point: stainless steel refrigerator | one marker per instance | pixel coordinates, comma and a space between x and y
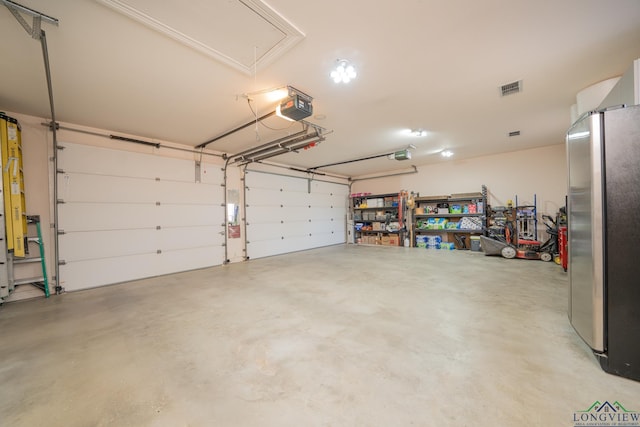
603, 208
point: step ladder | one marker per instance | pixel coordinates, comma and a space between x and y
40, 282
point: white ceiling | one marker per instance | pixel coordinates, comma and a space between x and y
435, 65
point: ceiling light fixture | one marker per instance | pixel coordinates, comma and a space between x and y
344, 72
418, 132
447, 153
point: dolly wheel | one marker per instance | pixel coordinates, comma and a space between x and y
508, 252
546, 256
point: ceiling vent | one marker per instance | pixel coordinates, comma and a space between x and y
514, 133
511, 88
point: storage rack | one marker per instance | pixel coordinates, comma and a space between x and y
470, 211
379, 219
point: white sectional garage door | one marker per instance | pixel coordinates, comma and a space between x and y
128, 215
288, 214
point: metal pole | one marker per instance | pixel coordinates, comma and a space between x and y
225, 223
204, 144
47, 69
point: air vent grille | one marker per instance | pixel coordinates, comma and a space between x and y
514, 133
511, 88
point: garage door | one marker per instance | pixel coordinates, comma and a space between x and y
125, 216
288, 214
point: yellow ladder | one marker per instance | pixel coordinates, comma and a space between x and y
13, 185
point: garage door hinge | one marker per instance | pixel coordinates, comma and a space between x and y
62, 262
61, 202
157, 178
221, 233
60, 171
157, 203
60, 232
158, 227
159, 251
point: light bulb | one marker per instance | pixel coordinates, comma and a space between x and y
344, 72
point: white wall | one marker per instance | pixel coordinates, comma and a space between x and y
540, 171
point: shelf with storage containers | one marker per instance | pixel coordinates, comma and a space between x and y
379, 219
449, 222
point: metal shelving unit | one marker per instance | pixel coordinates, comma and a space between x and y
373, 216
472, 207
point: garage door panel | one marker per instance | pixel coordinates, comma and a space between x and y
99, 272
303, 213
134, 215
192, 215
265, 197
260, 249
296, 228
106, 161
189, 237
102, 216
296, 199
298, 213
211, 174
189, 259
265, 231
327, 212
326, 239
92, 188
185, 192
100, 244
321, 226
259, 214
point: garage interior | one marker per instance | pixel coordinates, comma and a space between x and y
205, 252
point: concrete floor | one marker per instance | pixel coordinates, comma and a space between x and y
338, 336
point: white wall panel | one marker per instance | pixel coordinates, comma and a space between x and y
283, 216
128, 215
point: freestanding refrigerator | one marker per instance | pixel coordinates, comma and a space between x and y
603, 208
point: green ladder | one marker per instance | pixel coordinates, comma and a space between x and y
39, 282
